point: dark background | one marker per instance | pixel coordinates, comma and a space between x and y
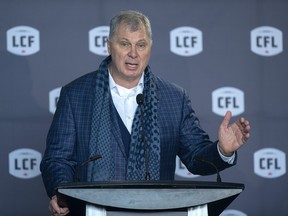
226, 60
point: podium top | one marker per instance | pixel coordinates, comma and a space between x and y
154, 195
152, 184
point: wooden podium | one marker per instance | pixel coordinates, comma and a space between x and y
197, 198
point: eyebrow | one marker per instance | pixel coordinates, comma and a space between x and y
141, 40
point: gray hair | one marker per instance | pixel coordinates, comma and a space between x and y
133, 19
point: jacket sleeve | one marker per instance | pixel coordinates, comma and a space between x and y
195, 143
58, 163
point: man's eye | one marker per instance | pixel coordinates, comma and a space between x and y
124, 44
141, 46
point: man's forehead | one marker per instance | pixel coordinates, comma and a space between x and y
131, 27
126, 32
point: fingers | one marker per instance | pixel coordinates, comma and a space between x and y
245, 124
226, 119
55, 209
241, 125
244, 127
54, 205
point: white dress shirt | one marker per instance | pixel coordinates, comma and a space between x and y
125, 100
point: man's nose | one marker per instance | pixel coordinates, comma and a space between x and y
133, 52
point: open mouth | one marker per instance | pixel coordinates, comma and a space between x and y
131, 65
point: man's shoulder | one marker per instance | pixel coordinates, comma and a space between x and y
167, 85
82, 83
80, 87
83, 80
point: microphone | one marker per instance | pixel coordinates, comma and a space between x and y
91, 159
140, 101
212, 164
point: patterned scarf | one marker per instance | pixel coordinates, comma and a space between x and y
144, 152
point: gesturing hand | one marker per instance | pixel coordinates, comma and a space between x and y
232, 137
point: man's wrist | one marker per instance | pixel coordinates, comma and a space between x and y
229, 159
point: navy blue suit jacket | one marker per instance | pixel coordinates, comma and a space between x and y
69, 135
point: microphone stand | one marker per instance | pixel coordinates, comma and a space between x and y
93, 158
210, 163
140, 101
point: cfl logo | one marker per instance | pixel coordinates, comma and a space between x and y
182, 171
23, 40
24, 163
266, 41
186, 41
98, 38
53, 99
227, 99
269, 163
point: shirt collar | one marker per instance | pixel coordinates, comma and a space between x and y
114, 87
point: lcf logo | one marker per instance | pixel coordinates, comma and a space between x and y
23, 40
24, 163
269, 163
266, 41
228, 99
98, 40
186, 41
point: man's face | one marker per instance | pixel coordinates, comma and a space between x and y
130, 52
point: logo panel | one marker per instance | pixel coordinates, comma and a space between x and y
266, 41
98, 40
186, 41
24, 163
23, 40
53, 99
228, 99
182, 171
231, 212
269, 163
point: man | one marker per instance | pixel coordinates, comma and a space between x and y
98, 114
